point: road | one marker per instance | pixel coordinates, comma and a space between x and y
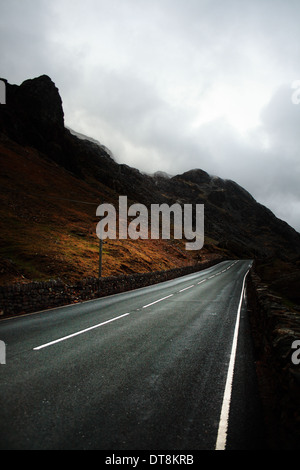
149, 369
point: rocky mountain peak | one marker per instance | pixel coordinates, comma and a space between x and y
33, 114
42, 99
196, 176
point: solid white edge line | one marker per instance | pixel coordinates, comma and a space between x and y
79, 332
224, 417
160, 300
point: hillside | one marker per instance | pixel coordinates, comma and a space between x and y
52, 182
47, 232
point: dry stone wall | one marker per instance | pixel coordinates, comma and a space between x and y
275, 328
36, 296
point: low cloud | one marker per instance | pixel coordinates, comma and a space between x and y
172, 85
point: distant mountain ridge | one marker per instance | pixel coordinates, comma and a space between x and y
235, 224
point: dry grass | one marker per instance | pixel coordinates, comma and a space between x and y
43, 234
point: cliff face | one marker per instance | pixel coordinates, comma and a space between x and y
33, 113
33, 119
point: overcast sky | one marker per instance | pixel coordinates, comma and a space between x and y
173, 85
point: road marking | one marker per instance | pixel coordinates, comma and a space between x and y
224, 417
160, 300
79, 332
113, 319
182, 290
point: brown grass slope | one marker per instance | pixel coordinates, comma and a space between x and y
48, 225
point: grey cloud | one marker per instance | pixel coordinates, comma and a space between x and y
135, 76
23, 39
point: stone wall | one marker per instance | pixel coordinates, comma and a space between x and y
27, 298
275, 327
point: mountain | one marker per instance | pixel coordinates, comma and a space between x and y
53, 179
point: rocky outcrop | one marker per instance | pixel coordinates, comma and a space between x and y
33, 114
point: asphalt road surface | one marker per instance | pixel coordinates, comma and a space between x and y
167, 367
